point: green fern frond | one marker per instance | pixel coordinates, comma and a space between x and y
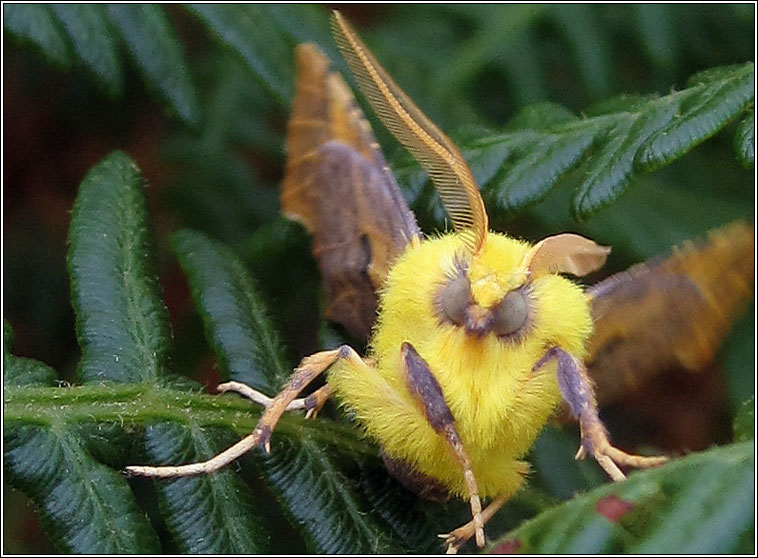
618, 141
699, 503
91, 34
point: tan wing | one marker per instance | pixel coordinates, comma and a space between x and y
338, 185
669, 313
439, 156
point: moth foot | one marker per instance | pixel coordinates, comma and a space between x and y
610, 458
246, 391
312, 403
316, 401
457, 538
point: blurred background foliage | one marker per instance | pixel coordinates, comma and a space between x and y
199, 97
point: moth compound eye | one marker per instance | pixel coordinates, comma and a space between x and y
510, 315
453, 299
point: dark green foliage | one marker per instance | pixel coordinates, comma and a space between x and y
35, 23
744, 140
86, 506
264, 36
245, 30
88, 28
147, 34
558, 109
700, 504
319, 499
122, 324
93, 32
621, 139
712, 101
744, 423
23, 371
123, 331
553, 456
233, 313
206, 514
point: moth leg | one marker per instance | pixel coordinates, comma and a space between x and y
312, 404
310, 368
576, 388
455, 539
316, 400
426, 390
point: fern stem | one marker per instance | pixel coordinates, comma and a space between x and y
143, 404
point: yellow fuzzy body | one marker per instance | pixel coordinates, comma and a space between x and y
498, 402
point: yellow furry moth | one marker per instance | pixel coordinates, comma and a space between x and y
474, 337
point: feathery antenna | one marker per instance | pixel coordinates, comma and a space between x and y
436, 153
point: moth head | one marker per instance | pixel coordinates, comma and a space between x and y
491, 292
457, 305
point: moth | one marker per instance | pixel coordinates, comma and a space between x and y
474, 337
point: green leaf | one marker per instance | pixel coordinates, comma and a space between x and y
590, 47
35, 23
415, 521
610, 170
626, 102
556, 469
705, 109
702, 503
85, 506
744, 422
738, 355
121, 322
110, 236
27, 372
321, 501
235, 319
541, 115
215, 513
744, 141
23, 371
621, 138
305, 467
535, 168
152, 42
95, 35
93, 42
182, 426
247, 30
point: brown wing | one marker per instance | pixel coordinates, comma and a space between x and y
338, 185
669, 313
